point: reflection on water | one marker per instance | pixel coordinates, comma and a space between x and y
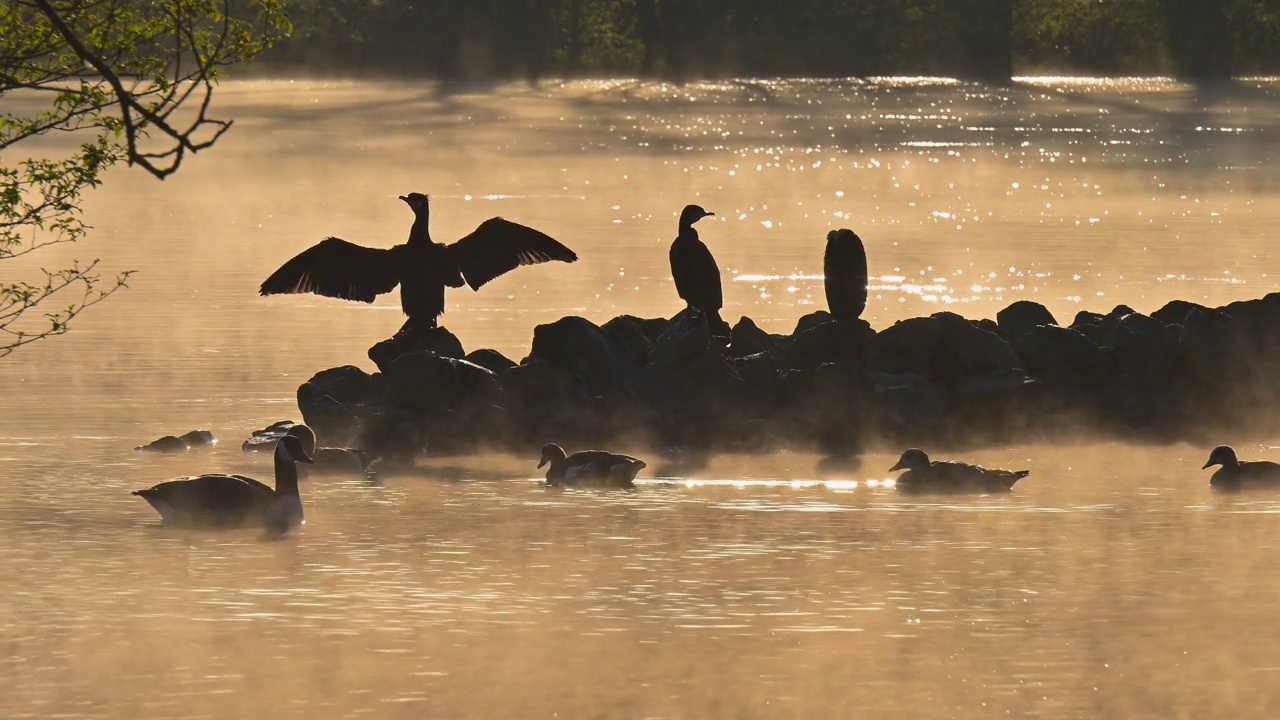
1111, 583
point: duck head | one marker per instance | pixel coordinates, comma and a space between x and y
692, 214
417, 202
1222, 455
290, 448
551, 453
912, 459
306, 436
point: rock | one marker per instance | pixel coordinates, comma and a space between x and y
628, 337
1062, 357
394, 436
813, 347
824, 408
748, 339
907, 347
844, 269
812, 320
584, 349
166, 444
425, 382
347, 385
198, 438
491, 360
759, 373
1175, 312
537, 387
686, 338
437, 340
972, 359
909, 405
1021, 317
332, 422
651, 327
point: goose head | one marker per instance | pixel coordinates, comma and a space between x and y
1222, 455
290, 449
692, 214
306, 436
551, 453
912, 459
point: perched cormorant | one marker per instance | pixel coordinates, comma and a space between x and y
1236, 474
589, 467
695, 271
942, 476
421, 267
844, 266
233, 501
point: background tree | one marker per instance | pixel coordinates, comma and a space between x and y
135, 78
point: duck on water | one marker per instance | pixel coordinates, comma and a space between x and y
420, 266
216, 501
1237, 474
923, 475
597, 468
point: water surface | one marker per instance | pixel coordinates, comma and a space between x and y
1111, 583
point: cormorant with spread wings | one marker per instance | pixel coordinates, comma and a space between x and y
421, 267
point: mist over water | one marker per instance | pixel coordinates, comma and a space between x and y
1110, 583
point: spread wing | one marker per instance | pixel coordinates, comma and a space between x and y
337, 268
499, 246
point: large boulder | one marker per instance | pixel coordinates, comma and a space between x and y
628, 338
907, 346
425, 382
909, 406
491, 360
1061, 357
830, 342
436, 340
974, 360
749, 339
584, 349
1021, 318
537, 388
686, 338
348, 385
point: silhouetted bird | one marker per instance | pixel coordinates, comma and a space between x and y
844, 266
1236, 474
923, 475
421, 267
695, 271
589, 467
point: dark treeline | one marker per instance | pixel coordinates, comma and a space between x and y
677, 39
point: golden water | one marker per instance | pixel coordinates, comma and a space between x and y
1111, 583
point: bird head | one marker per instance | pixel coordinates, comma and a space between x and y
912, 459
306, 435
1222, 455
290, 448
692, 214
551, 452
417, 202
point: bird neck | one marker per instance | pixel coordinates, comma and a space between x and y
687, 232
286, 476
419, 232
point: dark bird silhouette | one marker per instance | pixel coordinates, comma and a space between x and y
695, 271
1236, 474
589, 467
233, 501
844, 266
421, 267
942, 476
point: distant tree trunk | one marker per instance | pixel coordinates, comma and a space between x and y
1199, 38
574, 60
986, 36
650, 25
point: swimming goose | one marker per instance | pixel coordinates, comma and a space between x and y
924, 476
233, 501
331, 460
1236, 474
589, 467
694, 269
421, 267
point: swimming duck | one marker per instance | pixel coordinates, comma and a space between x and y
233, 501
331, 460
179, 443
922, 475
695, 272
1236, 474
420, 266
589, 467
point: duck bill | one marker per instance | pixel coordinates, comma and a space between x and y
899, 466
305, 458
1208, 465
542, 462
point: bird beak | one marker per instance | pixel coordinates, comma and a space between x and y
305, 458
404, 198
899, 466
1208, 465
708, 214
542, 462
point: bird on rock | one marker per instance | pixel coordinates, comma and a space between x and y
420, 266
695, 271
